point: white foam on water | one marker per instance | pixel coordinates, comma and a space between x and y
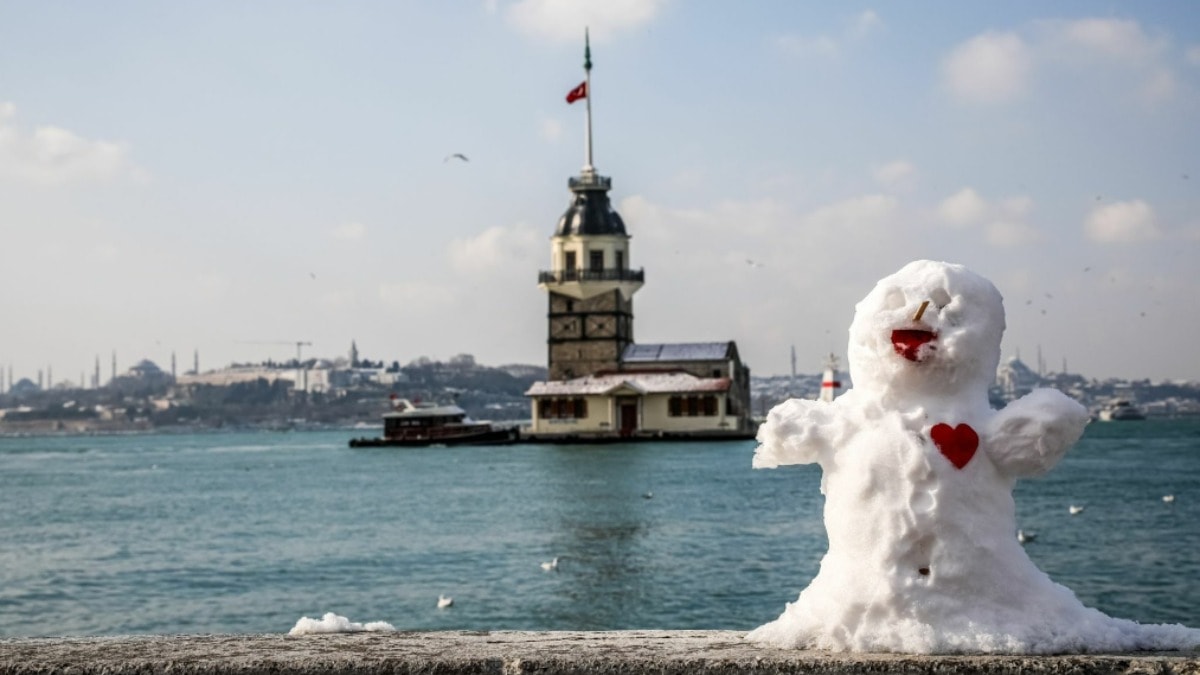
333, 623
918, 472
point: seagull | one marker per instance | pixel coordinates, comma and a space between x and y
457, 155
648, 495
444, 601
551, 566
1168, 498
1073, 509
753, 263
1025, 537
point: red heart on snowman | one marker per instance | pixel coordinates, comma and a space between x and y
958, 443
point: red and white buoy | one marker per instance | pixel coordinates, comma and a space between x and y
829, 381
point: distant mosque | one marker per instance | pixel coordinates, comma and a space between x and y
601, 384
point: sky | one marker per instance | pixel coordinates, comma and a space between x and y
231, 178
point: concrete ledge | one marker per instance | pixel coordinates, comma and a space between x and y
511, 653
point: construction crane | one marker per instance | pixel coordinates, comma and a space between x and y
300, 344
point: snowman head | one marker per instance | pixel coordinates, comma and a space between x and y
932, 328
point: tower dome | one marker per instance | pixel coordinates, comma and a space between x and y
590, 212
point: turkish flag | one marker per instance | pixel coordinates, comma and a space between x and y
578, 92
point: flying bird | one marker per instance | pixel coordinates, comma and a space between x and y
551, 566
1168, 498
1025, 537
457, 155
1073, 509
444, 601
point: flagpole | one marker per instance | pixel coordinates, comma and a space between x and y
587, 70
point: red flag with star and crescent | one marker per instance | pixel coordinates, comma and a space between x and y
578, 92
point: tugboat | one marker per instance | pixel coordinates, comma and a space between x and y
411, 425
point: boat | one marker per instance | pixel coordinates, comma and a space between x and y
1120, 410
417, 424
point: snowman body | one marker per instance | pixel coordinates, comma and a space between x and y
918, 472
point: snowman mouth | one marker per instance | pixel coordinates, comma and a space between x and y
908, 342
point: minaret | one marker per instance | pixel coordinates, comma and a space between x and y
353, 354
114, 367
96, 379
829, 380
590, 282
196, 361
792, 382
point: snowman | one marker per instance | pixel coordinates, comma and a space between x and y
918, 472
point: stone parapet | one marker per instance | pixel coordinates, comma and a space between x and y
513, 652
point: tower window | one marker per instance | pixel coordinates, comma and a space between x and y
620, 260
596, 260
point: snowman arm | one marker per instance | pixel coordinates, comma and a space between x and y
796, 432
1030, 435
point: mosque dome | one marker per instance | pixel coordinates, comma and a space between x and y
590, 213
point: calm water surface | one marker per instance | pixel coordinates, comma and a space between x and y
247, 532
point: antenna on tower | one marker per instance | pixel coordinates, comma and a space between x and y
587, 78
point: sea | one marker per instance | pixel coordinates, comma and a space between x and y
248, 532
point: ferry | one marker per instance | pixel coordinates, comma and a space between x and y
419, 424
1120, 410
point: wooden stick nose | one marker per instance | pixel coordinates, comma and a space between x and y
921, 312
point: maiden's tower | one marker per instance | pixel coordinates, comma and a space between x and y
601, 384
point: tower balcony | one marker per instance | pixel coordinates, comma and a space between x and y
565, 276
589, 181
583, 283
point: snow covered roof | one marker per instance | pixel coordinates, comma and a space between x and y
682, 351
635, 383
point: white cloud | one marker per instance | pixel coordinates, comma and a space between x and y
964, 207
1008, 233
55, 156
1116, 54
496, 248
896, 175
1005, 221
858, 213
1122, 222
988, 68
349, 231
866, 22
1115, 38
1017, 207
564, 20
830, 46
